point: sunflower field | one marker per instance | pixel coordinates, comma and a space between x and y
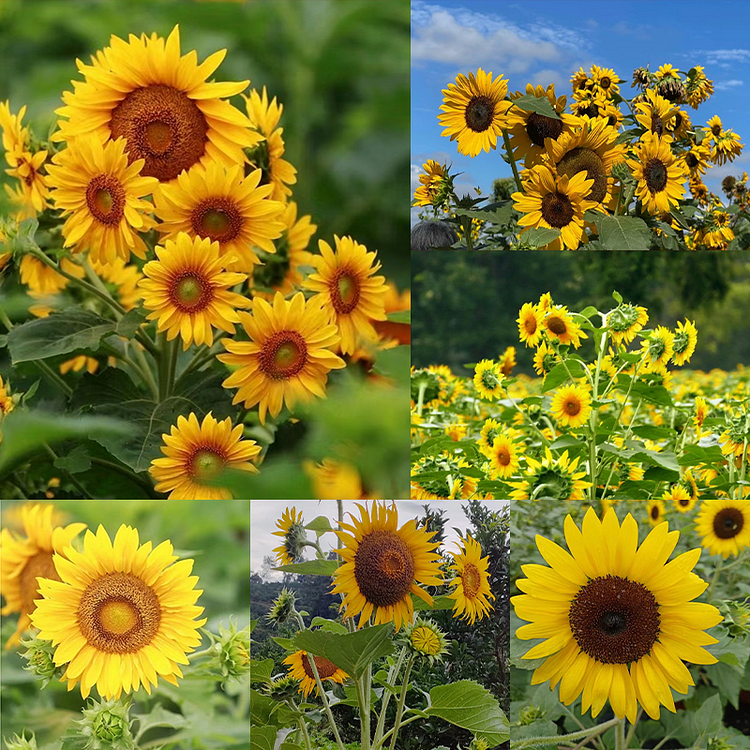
613, 173
125, 625
172, 329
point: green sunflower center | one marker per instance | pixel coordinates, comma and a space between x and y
655, 175
479, 114
217, 218
539, 127
344, 289
426, 641
118, 617
582, 159
105, 199
728, 523
614, 620
557, 210
384, 568
207, 464
283, 355
191, 293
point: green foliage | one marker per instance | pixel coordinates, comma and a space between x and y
623, 233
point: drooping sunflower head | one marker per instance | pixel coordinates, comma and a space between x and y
488, 379
724, 526
659, 173
698, 88
490, 430
658, 346
571, 405
301, 668
293, 534
159, 101
472, 583
625, 321
622, 620
696, 159
121, 614
436, 185
474, 111
25, 559
384, 565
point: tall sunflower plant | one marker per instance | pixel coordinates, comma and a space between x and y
387, 579
609, 174
163, 298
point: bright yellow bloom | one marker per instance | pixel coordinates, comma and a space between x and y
559, 325
472, 582
488, 380
292, 531
300, 669
659, 173
724, 526
530, 324
571, 405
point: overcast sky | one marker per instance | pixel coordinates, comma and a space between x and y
265, 513
545, 42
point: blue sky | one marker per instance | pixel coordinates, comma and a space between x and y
543, 42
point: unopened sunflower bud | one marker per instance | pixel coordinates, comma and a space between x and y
106, 726
282, 609
479, 743
20, 743
282, 689
39, 656
234, 653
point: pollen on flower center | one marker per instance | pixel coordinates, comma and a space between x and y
557, 209
479, 113
217, 218
40, 565
105, 199
471, 580
158, 136
585, 159
345, 291
283, 355
384, 568
191, 293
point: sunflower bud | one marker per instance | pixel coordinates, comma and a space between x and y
234, 650
39, 656
424, 638
530, 714
106, 726
282, 689
479, 743
20, 743
282, 609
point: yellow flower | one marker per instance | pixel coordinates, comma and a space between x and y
656, 511
545, 359
158, 100
186, 290
432, 182
488, 380
698, 87
347, 286
625, 321
654, 112
504, 456
79, 363
559, 325
726, 144
680, 498
121, 615
196, 452
288, 356
696, 159
552, 478
335, 480
571, 405
724, 526
507, 361
658, 346
474, 112
6, 402
659, 173
300, 669
454, 485
44, 281
530, 324
684, 342
292, 531
472, 594
103, 199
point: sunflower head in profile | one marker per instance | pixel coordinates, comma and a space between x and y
472, 593
436, 185
300, 668
293, 534
659, 173
684, 342
383, 565
474, 111
24, 559
160, 102
554, 477
658, 347
6, 400
724, 526
197, 452
696, 159
616, 619
625, 321
288, 356
571, 405
121, 615
545, 359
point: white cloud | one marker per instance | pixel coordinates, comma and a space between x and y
724, 85
725, 56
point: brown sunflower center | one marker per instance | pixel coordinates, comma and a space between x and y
40, 565
326, 668
384, 568
530, 324
716, 129
217, 218
540, 127
479, 114
283, 355
572, 407
614, 620
191, 292
207, 463
119, 613
163, 126
557, 210
657, 126
605, 82
728, 523
677, 120
105, 198
556, 325
471, 580
655, 512
684, 501
655, 174
503, 456
584, 159
344, 288
691, 161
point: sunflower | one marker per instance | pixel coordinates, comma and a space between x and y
616, 626
44, 281
551, 478
103, 199
545, 359
383, 565
186, 290
121, 615
698, 88
679, 125
571, 405
724, 526
472, 582
559, 325
425, 639
555, 202
654, 112
716, 234
507, 361
625, 321
24, 559
488, 380
335, 480
474, 112
656, 511
605, 81
701, 412
222, 205
597, 107
504, 456
529, 131
344, 281
144, 91
696, 159
658, 346
490, 430
659, 173
680, 498
433, 184
280, 272
196, 452
726, 144
288, 357
453, 484
592, 150
266, 156
301, 669
530, 324
6, 402
684, 342
293, 534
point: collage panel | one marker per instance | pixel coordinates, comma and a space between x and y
126, 624
380, 624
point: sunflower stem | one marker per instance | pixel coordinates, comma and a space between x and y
54, 377
509, 151
717, 572
306, 736
589, 733
326, 704
620, 735
402, 700
595, 410
392, 674
631, 731
70, 477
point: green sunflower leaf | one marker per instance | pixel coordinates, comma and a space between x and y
560, 373
623, 233
539, 236
539, 104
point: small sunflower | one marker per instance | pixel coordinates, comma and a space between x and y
293, 534
605, 81
696, 159
44, 281
103, 199
724, 526
559, 325
701, 412
474, 111
680, 498
616, 627
545, 359
625, 321
726, 144
24, 559
454, 484
301, 669
656, 511
488, 380
654, 113
144, 91
383, 566
345, 282
571, 405
196, 452
684, 342
659, 173
288, 356
490, 430
679, 124
658, 346
717, 233
472, 582
698, 88
530, 324
6, 402
551, 478
434, 184
425, 639
503, 454
121, 615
